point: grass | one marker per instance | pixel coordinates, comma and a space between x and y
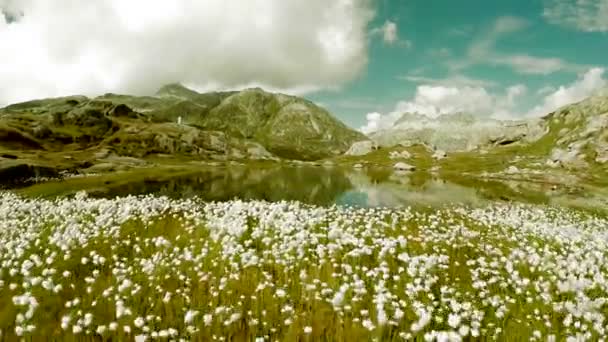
56, 188
271, 270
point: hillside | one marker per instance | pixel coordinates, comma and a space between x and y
456, 132
574, 135
78, 132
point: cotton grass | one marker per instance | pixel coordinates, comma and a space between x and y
148, 268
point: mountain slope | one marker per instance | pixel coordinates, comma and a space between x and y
577, 134
288, 126
456, 132
213, 125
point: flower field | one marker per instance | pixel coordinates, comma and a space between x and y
152, 268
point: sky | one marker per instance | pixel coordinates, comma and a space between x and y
367, 61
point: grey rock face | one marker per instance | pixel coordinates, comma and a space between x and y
361, 148
457, 132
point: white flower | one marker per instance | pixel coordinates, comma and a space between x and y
207, 318
139, 322
190, 315
141, 338
367, 324
307, 329
454, 320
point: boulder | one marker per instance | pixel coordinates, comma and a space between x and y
512, 170
399, 155
570, 157
439, 154
358, 166
401, 166
361, 148
257, 151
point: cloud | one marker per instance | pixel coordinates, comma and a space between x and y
389, 31
390, 34
437, 100
482, 50
456, 80
442, 52
583, 15
525, 64
584, 86
66, 46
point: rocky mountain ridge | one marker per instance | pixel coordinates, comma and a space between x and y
573, 135
178, 120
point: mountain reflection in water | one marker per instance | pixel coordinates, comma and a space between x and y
312, 185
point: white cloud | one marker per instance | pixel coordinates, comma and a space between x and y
586, 85
389, 31
390, 34
525, 64
437, 100
456, 80
583, 15
434, 100
65, 46
442, 52
482, 50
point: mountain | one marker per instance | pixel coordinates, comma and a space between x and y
456, 132
573, 136
577, 134
178, 120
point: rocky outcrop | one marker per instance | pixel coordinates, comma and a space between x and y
439, 154
287, 126
457, 132
246, 124
361, 148
401, 166
578, 133
399, 155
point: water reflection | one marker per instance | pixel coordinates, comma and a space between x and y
404, 189
313, 185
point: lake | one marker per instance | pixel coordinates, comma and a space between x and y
333, 185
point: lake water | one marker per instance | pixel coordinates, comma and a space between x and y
328, 186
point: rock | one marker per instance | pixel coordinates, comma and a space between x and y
41, 131
129, 161
399, 155
101, 168
358, 166
456, 131
401, 166
361, 148
435, 169
257, 151
570, 157
103, 153
511, 170
439, 154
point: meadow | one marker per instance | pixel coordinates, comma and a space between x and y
154, 268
